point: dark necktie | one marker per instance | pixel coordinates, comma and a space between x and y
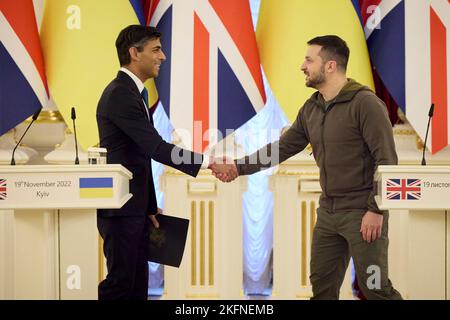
144, 95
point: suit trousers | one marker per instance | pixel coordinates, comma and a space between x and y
126, 249
336, 238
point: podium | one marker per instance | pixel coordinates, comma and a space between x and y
56, 249
422, 194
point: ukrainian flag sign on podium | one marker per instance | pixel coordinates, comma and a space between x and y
91, 188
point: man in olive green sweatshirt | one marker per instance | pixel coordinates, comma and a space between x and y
350, 133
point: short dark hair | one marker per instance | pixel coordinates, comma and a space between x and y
134, 35
333, 48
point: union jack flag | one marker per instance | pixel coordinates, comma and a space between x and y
409, 43
403, 189
3, 189
212, 78
22, 78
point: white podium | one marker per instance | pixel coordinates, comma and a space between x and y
56, 252
423, 194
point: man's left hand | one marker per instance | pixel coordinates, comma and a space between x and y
371, 226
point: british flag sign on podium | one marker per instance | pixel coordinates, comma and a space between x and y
3, 189
403, 189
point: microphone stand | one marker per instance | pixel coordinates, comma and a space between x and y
77, 161
430, 115
35, 116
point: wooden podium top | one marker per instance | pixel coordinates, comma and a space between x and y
64, 186
413, 169
66, 168
413, 187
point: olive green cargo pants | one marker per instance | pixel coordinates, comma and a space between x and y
336, 238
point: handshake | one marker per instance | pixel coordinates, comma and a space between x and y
223, 169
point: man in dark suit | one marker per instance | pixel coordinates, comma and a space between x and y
126, 130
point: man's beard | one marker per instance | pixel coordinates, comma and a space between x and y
314, 82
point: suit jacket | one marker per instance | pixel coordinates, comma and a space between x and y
131, 140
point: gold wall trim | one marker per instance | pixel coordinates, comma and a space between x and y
202, 296
296, 163
312, 218
404, 132
211, 243
202, 243
201, 186
101, 260
47, 116
303, 244
174, 172
296, 173
306, 295
193, 243
419, 143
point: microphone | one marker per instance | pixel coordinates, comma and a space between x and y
74, 116
35, 116
430, 115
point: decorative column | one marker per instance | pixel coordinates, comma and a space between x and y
212, 261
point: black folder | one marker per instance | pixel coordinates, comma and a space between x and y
168, 241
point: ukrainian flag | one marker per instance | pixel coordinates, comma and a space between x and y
78, 42
283, 29
92, 188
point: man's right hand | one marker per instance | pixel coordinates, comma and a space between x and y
224, 169
153, 218
371, 226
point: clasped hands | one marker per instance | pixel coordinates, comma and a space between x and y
223, 169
